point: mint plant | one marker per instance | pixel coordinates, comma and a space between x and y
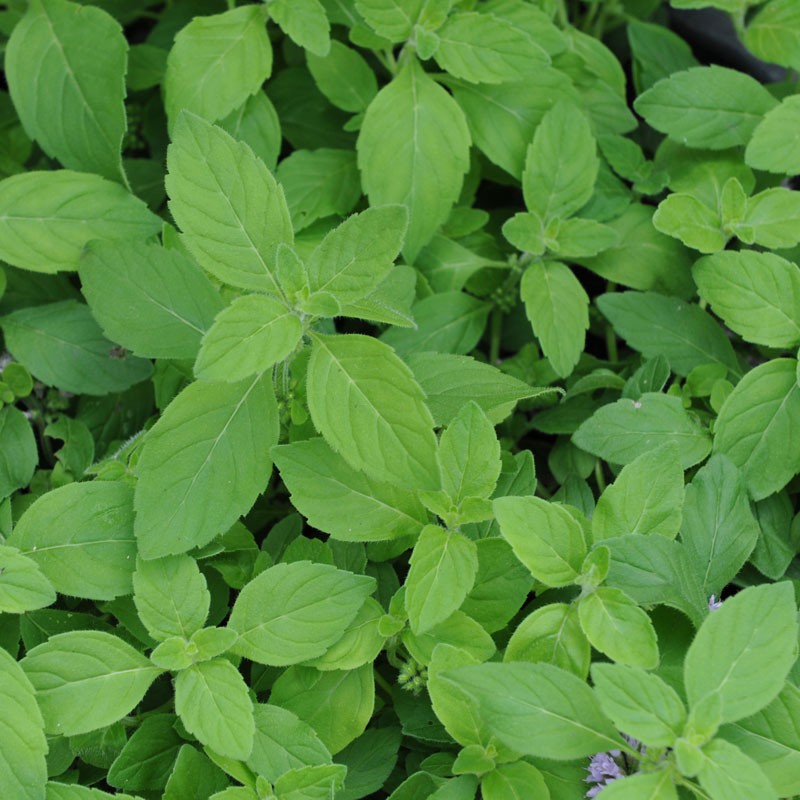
397, 400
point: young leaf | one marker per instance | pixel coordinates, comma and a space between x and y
217, 62
343, 502
416, 126
514, 781
646, 497
214, 704
756, 294
686, 218
770, 219
344, 77
757, 427
171, 596
18, 446
393, 19
558, 309
293, 612
85, 680
773, 34
773, 146
81, 537
248, 337
545, 537
210, 433
643, 786
23, 746
65, 65
155, 302
232, 212
305, 22
728, 773
365, 402
46, 218
23, 587
639, 703
744, 650
616, 626
319, 781
712, 107
483, 48
442, 571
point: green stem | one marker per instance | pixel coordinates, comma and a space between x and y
382, 682
611, 337
495, 335
599, 477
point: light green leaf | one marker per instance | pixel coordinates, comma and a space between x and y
756, 294
217, 62
416, 126
23, 746
193, 775
728, 773
744, 650
294, 612
72, 791
773, 34
459, 631
214, 704
247, 338
646, 497
536, 709
583, 238
23, 587
256, 124
46, 218
757, 427
232, 212
686, 218
18, 452
561, 164
65, 65
621, 431
655, 324
81, 537
771, 219
643, 786
711, 107
305, 22
86, 680
365, 402
171, 596
153, 301
344, 77
483, 48
558, 309
393, 19
203, 464
515, 781
442, 571
774, 144
343, 502
311, 783
357, 255
639, 703
545, 537
616, 626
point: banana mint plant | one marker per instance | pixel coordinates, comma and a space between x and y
398, 399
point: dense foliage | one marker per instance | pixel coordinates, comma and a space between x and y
399, 398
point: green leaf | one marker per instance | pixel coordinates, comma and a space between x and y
193, 775
686, 218
773, 146
344, 77
23, 587
416, 126
770, 219
22, 742
214, 704
256, 124
293, 612
365, 402
248, 337
305, 22
46, 218
657, 53
232, 212
208, 435
639, 703
616, 626
343, 502
62, 346
655, 324
744, 650
72, 791
311, 783
757, 427
726, 772
561, 164
711, 107
85, 680
393, 19
483, 48
514, 781
217, 62
18, 453
643, 786
545, 537
536, 709
171, 596
65, 65
621, 431
718, 531
646, 497
773, 34
153, 301
442, 571
357, 255
558, 309
583, 238
81, 537
756, 294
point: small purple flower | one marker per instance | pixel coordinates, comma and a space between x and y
605, 768
713, 603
